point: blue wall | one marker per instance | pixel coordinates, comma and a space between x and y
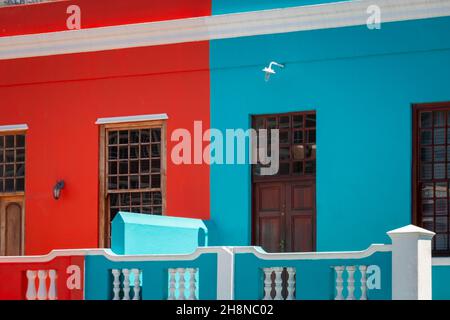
98, 282
441, 282
361, 83
315, 279
230, 6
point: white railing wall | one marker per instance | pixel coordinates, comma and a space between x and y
123, 289
37, 285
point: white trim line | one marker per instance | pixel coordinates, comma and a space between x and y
145, 117
257, 251
107, 253
260, 253
13, 127
310, 17
444, 261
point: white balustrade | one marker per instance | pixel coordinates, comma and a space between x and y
350, 282
284, 289
40, 291
291, 283
122, 277
178, 283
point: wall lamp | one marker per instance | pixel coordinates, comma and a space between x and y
57, 189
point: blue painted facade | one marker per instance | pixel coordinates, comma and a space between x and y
315, 279
227, 6
362, 84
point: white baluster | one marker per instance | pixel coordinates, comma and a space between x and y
267, 283
192, 283
42, 289
52, 294
351, 282
363, 270
181, 284
278, 283
172, 284
31, 288
137, 283
339, 282
126, 284
116, 283
291, 283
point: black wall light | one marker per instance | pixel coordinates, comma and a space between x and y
57, 189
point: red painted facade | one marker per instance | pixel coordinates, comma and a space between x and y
67, 269
60, 97
52, 16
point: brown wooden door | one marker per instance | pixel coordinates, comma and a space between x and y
269, 215
300, 216
11, 226
284, 216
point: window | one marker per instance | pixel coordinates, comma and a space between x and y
297, 134
431, 172
133, 170
12, 163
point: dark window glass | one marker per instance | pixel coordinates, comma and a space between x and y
12, 163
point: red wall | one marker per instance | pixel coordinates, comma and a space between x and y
60, 98
15, 282
52, 16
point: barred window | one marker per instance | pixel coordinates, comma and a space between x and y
12, 163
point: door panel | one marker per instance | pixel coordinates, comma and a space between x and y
11, 225
269, 215
284, 216
300, 212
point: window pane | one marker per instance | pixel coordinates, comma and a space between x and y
284, 168
297, 167
20, 141
439, 153
439, 118
425, 120
123, 137
441, 207
310, 121
426, 171
439, 136
9, 141
134, 136
297, 121
439, 170
284, 122
441, 242
112, 137
145, 136
425, 137
425, 154
427, 208
298, 137
427, 190
156, 135
310, 167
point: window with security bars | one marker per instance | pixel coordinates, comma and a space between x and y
297, 139
12, 163
432, 152
133, 170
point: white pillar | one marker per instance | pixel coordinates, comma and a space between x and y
411, 263
267, 283
225, 274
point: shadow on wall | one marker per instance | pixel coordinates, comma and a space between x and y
149, 234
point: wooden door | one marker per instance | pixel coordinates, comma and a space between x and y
284, 216
284, 204
11, 226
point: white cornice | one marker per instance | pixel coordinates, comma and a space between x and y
13, 127
311, 17
145, 117
261, 254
